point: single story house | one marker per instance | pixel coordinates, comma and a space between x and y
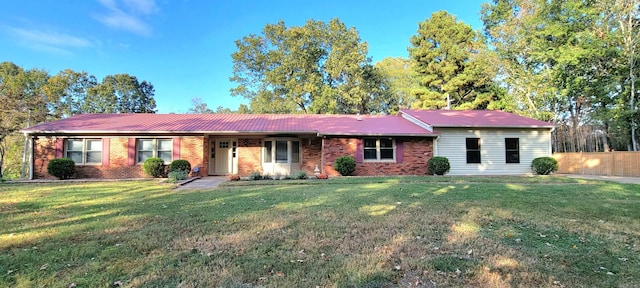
115, 145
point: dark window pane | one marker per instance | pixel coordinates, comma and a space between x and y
370, 154
512, 143
76, 156
165, 155
513, 157
386, 143
386, 154
370, 143
94, 157
267, 152
473, 143
144, 155
473, 157
295, 152
281, 151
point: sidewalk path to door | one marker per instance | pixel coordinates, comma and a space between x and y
204, 183
619, 179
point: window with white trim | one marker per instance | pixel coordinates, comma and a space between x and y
473, 150
512, 150
159, 148
281, 150
84, 151
379, 149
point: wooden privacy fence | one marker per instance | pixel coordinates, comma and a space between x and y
618, 163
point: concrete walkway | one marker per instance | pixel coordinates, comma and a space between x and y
204, 183
619, 179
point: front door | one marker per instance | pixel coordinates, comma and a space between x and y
223, 156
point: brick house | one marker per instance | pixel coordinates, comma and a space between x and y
115, 145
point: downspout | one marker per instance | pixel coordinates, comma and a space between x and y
31, 164
24, 155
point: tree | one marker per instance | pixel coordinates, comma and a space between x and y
199, 107
449, 59
22, 100
70, 89
316, 68
120, 93
402, 79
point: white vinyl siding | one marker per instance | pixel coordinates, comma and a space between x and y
533, 143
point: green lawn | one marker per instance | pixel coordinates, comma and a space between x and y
347, 232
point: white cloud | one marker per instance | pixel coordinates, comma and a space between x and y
126, 15
50, 41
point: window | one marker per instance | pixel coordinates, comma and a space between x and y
84, 151
473, 150
281, 150
382, 149
512, 150
268, 152
160, 148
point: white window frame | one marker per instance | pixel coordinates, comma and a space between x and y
155, 149
378, 153
290, 153
84, 150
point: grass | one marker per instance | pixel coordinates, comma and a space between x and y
346, 232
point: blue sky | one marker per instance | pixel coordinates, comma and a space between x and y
183, 47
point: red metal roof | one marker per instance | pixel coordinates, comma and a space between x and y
475, 118
232, 123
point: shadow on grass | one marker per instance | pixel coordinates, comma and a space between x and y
358, 233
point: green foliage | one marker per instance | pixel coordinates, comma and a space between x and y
451, 60
345, 165
120, 93
61, 168
177, 175
153, 167
300, 175
438, 165
255, 175
180, 164
316, 68
544, 165
401, 78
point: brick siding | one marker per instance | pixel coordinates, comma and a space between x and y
191, 149
416, 153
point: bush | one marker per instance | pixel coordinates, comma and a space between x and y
345, 165
300, 175
255, 175
438, 165
177, 175
544, 165
153, 167
61, 168
180, 164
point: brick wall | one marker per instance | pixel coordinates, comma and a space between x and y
249, 156
311, 154
191, 149
416, 153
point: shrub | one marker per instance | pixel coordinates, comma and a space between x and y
153, 167
438, 165
345, 165
255, 175
177, 175
180, 164
300, 175
61, 168
544, 165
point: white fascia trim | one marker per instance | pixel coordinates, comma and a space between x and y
415, 120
